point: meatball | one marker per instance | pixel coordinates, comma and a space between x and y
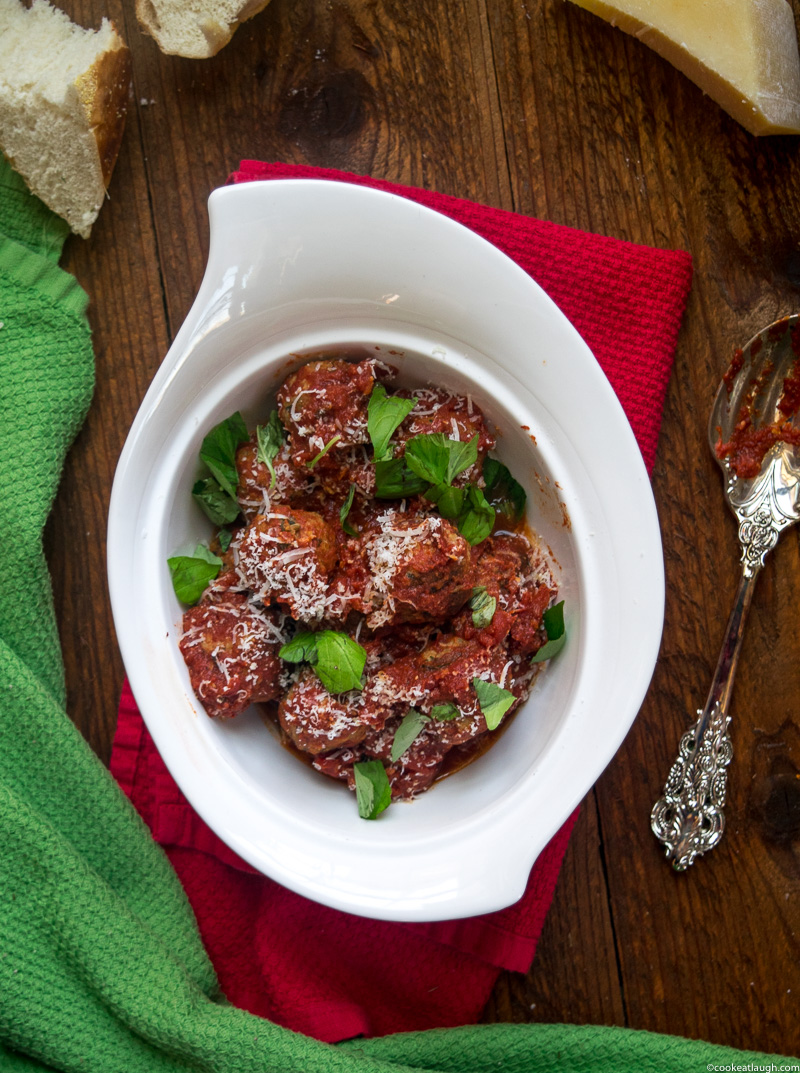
523, 591
338, 763
287, 556
419, 765
420, 569
338, 469
315, 720
409, 775
231, 651
256, 491
326, 401
441, 673
455, 416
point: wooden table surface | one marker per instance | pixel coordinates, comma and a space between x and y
539, 107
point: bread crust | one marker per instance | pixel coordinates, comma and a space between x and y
104, 91
215, 33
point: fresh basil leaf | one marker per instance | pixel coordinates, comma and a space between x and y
324, 451
270, 440
407, 732
493, 700
445, 712
301, 649
463, 454
438, 459
384, 414
224, 536
218, 450
449, 500
373, 792
337, 659
394, 480
476, 520
202, 551
427, 456
191, 574
483, 607
220, 507
340, 661
553, 619
502, 491
344, 510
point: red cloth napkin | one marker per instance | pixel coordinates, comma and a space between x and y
326, 973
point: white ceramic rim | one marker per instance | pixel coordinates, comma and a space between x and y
461, 865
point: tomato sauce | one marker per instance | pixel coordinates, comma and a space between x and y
432, 599
750, 442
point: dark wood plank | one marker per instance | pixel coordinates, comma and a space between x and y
376, 89
118, 267
575, 975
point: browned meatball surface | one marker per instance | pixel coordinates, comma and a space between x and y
257, 491
287, 556
522, 589
231, 651
420, 568
316, 721
324, 403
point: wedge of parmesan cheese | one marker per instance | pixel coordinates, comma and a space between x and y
742, 53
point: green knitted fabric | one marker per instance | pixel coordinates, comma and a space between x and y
101, 965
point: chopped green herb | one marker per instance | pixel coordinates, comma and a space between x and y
553, 619
502, 491
437, 459
462, 456
192, 573
344, 510
270, 440
324, 451
220, 507
337, 659
301, 649
483, 607
394, 480
218, 450
373, 792
384, 415
224, 536
445, 711
340, 661
407, 732
476, 519
449, 500
493, 700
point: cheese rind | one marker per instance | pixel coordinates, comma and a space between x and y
742, 53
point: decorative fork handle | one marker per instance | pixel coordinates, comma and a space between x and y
688, 819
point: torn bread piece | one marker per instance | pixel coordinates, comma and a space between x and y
742, 53
63, 100
195, 29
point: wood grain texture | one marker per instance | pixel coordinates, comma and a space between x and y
537, 106
576, 972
